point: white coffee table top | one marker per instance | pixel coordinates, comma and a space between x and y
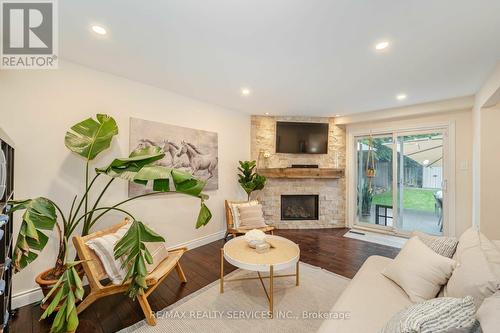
283, 254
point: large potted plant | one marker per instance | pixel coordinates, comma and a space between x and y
61, 283
249, 179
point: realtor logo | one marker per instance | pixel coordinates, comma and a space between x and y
29, 34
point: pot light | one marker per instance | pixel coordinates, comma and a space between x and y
401, 97
425, 162
99, 30
338, 115
245, 91
267, 113
381, 46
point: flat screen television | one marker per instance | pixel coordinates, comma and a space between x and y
301, 138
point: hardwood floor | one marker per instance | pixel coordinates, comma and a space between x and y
325, 248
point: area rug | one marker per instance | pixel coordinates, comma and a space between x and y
243, 307
377, 238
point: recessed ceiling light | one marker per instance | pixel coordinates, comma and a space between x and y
245, 91
338, 115
381, 45
267, 113
425, 162
401, 97
99, 30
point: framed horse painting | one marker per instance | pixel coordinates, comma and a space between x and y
187, 149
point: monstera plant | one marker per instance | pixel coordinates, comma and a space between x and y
249, 179
62, 284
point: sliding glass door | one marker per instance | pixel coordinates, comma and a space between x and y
401, 181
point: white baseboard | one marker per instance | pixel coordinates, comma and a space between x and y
35, 295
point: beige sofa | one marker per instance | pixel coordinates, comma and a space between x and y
371, 299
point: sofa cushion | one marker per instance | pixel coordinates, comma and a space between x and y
419, 271
488, 313
442, 245
370, 300
435, 315
478, 272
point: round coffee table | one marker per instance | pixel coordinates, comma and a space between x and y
283, 254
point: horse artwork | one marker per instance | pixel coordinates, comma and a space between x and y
187, 149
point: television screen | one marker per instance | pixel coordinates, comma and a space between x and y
301, 138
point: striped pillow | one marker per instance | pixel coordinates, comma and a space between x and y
444, 246
443, 314
251, 217
103, 248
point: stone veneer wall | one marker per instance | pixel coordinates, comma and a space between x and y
332, 195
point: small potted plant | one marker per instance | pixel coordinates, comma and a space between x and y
250, 180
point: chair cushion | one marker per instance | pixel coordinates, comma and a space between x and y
435, 315
251, 217
103, 248
419, 271
235, 212
442, 245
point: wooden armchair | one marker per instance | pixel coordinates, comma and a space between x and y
95, 273
231, 230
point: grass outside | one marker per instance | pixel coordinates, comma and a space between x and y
414, 198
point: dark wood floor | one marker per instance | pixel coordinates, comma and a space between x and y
325, 248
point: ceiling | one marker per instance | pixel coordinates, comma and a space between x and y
298, 57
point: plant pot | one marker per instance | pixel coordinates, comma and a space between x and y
46, 285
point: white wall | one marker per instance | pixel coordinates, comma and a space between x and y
486, 97
37, 107
490, 172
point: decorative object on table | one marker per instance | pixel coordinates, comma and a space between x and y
262, 247
249, 179
232, 218
62, 283
95, 270
186, 149
255, 237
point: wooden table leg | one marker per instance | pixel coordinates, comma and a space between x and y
271, 290
221, 271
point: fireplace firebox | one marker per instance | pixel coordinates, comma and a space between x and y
299, 207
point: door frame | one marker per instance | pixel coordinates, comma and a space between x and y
449, 208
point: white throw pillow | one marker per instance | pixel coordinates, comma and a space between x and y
235, 212
103, 248
419, 271
478, 272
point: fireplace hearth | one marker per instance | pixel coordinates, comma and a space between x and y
300, 207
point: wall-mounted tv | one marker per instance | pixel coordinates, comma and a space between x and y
301, 138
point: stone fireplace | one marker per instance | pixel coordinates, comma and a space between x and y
299, 207
323, 191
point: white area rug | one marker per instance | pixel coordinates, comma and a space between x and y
243, 306
374, 237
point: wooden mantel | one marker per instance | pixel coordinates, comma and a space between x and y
322, 173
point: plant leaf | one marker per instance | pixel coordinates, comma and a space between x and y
39, 214
90, 137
